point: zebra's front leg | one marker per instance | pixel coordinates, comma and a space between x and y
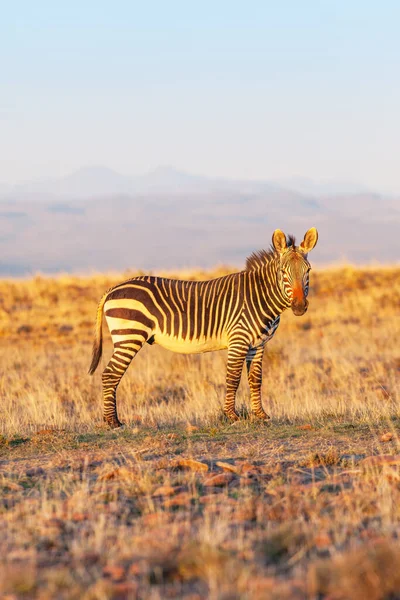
236, 354
254, 360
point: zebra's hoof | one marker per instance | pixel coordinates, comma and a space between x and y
114, 423
232, 415
262, 416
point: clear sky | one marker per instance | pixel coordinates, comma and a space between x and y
248, 89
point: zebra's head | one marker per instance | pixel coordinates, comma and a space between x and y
293, 269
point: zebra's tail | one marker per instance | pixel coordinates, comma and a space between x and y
98, 339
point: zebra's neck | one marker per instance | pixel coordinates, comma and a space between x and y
264, 290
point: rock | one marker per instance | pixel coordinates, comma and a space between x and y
380, 461
166, 490
249, 470
11, 485
245, 467
322, 540
219, 480
247, 481
122, 591
78, 517
34, 472
54, 523
122, 473
263, 586
210, 498
181, 500
244, 513
138, 568
155, 518
227, 467
387, 437
189, 463
24, 329
114, 572
191, 428
90, 558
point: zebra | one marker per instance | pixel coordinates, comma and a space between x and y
239, 312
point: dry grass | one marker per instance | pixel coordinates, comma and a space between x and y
285, 511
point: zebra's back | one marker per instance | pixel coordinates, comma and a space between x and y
182, 316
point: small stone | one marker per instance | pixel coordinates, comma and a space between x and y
246, 481
54, 523
227, 467
114, 572
220, 480
122, 591
322, 540
245, 513
244, 467
77, 517
165, 490
34, 472
122, 473
24, 329
380, 460
181, 500
191, 428
46, 431
210, 498
249, 470
193, 465
137, 568
155, 518
11, 485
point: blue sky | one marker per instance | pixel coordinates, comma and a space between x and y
238, 89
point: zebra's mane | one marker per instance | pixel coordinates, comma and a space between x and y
290, 241
258, 260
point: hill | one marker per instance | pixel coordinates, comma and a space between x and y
96, 219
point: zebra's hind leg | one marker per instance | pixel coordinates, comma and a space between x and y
112, 375
254, 374
236, 354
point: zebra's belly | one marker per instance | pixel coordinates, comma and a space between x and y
187, 346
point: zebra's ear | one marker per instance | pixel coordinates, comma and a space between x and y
310, 240
279, 241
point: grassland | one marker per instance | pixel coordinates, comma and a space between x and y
181, 503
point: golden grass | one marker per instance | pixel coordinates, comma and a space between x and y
288, 510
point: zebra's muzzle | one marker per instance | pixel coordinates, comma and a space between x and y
299, 307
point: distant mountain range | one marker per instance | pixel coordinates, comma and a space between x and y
97, 219
97, 181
